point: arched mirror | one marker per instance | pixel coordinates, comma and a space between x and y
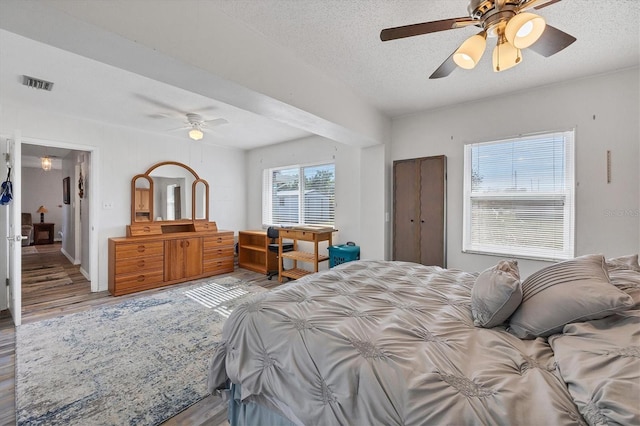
200, 199
141, 204
175, 194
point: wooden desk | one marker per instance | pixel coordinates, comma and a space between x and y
43, 233
254, 254
302, 234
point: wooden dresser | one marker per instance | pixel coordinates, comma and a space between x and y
158, 255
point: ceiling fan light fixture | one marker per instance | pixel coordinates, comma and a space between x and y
469, 53
196, 134
505, 56
524, 29
45, 162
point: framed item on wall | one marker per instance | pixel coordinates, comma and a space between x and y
66, 190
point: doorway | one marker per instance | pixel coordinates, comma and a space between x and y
71, 206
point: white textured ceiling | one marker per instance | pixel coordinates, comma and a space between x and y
340, 38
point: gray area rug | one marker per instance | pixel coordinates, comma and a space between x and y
138, 362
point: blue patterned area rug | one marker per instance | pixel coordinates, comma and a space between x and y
138, 362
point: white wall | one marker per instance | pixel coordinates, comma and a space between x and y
605, 111
314, 149
373, 215
124, 153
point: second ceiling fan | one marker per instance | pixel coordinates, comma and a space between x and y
506, 20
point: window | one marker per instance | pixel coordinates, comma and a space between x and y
519, 197
289, 200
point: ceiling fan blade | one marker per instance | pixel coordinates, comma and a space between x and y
423, 28
552, 41
179, 128
445, 68
158, 103
536, 4
215, 122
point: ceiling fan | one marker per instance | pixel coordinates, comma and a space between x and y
197, 125
194, 122
506, 20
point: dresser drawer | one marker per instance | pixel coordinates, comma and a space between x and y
140, 264
218, 266
138, 280
126, 251
218, 241
217, 253
138, 230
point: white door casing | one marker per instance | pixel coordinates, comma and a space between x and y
13, 228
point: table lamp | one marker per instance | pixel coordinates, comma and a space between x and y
42, 210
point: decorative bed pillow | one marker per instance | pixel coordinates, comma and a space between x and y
496, 294
628, 281
629, 262
566, 292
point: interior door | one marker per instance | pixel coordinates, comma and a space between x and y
14, 230
433, 211
406, 193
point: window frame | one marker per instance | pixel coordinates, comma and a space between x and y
567, 197
267, 194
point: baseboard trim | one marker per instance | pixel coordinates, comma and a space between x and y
68, 256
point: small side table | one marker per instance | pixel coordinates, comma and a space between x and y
43, 233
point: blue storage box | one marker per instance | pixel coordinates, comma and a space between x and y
342, 254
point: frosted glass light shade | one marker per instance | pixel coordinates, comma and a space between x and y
469, 53
196, 134
45, 162
524, 29
505, 56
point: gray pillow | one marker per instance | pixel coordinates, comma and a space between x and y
495, 294
566, 292
628, 281
629, 262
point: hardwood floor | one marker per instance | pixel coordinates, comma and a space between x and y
45, 299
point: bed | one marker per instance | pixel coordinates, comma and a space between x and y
397, 343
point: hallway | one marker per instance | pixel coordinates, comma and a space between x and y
51, 285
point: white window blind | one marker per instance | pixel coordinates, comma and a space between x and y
519, 197
299, 195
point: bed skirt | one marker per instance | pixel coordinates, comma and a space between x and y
251, 413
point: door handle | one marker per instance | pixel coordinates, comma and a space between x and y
17, 238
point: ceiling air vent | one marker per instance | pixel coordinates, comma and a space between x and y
36, 83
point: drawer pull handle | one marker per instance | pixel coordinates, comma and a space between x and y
141, 249
146, 229
141, 264
140, 278
219, 240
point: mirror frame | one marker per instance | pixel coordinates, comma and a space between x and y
133, 198
147, 175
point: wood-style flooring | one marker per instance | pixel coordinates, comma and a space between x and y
47, 301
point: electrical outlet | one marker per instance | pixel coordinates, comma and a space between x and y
107, 206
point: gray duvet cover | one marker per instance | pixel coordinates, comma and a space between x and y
387, 343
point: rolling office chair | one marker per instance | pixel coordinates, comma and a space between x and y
273, 234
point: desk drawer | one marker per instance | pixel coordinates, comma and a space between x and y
127, 251
296, 234
140, 264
